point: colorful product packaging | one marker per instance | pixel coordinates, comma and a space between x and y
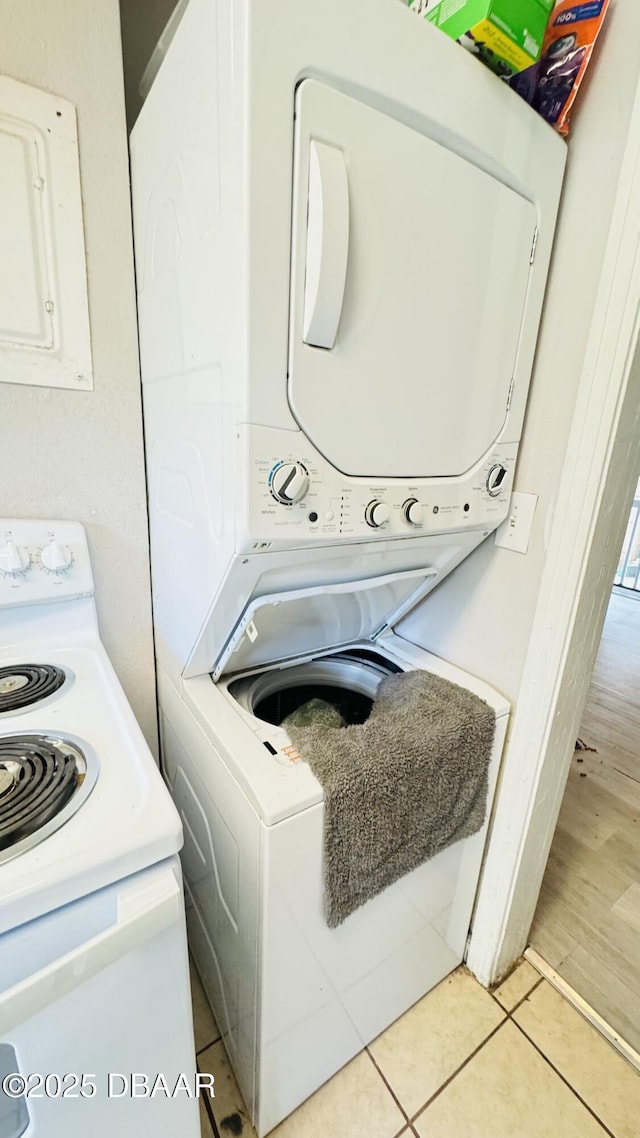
551, 85
507, 35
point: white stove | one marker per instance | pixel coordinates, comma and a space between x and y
91, 909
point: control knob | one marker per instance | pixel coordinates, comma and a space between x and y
412, 511
377, 513
14, 562
56, 559
495, 479
289, 482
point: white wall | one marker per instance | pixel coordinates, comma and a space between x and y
481, 616
79, 454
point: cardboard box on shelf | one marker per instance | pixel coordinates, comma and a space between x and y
551, 84
507, 35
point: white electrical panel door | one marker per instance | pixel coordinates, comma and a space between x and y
44, 320
410, 268
24, 285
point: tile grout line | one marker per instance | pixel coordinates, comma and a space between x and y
206, 1046
520, 1001
507, 1016
457, 1071
493, 995
388, 1086
537, 984
564, 1080
209, 1111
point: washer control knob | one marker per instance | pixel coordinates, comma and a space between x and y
14, 562
56, 559
495, 479
289, 482
377, 513
412, 511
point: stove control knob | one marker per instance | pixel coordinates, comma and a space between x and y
495, 479
412, 511
56, 559
377, 513
14, 562
289, 482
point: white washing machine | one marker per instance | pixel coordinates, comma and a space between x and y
343, 226
296, 1000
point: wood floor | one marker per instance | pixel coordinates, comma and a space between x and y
587, 925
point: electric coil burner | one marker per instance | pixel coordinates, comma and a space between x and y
43, 781
22, 685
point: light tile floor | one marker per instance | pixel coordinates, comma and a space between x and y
519, 1062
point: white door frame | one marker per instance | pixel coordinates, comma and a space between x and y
598, 477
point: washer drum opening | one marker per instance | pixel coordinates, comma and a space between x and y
348, 681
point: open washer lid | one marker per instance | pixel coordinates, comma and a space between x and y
285, 626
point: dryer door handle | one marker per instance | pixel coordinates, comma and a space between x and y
327, 244
145, 909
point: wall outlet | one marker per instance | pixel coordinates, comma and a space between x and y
515, 531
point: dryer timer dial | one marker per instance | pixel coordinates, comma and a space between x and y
495, 479
289, 482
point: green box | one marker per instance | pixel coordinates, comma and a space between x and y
506, 34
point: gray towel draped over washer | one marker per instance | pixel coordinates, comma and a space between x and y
400, 787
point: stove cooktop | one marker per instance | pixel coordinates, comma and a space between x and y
44, 779
106, 813
22, 685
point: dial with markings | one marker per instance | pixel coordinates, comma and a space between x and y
377, 513
14, 561
412, 511
56, 558
495, 479
289, 482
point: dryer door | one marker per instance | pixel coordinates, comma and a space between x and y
410, 268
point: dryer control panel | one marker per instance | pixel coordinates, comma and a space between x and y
296, 497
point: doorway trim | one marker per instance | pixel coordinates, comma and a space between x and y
596, 487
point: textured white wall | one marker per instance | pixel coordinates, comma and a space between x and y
79, 454
481, 617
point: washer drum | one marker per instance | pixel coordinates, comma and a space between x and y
348, 681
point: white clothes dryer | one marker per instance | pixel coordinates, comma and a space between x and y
343, 226
295, 999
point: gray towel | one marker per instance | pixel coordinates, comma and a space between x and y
399, 788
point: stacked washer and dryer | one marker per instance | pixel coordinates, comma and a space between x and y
343, 227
